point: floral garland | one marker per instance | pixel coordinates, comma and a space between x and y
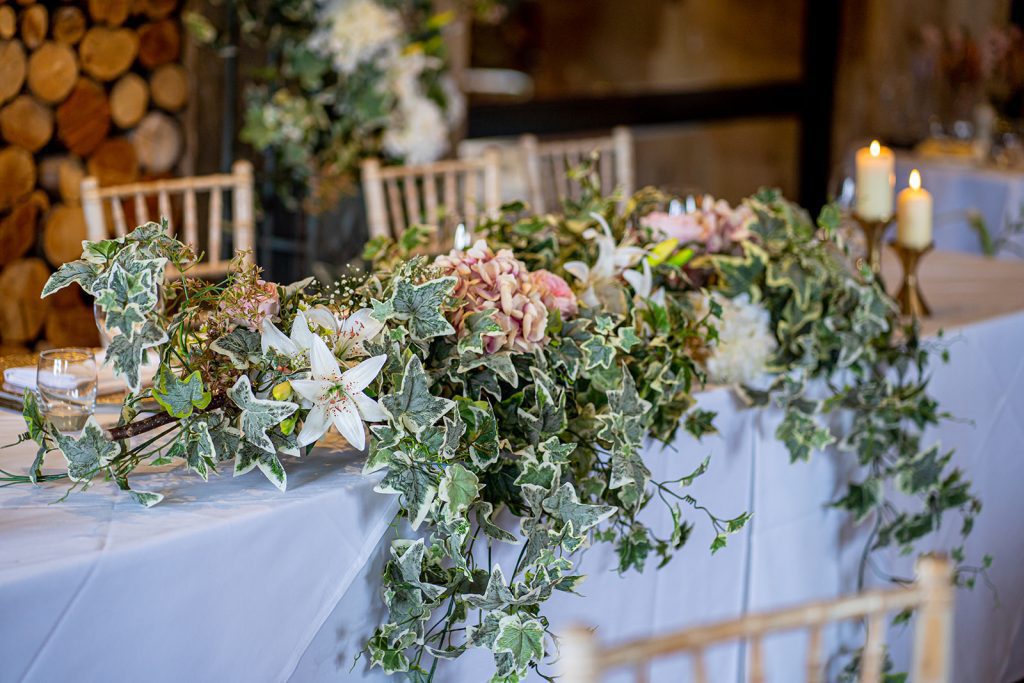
521, 375
347, 80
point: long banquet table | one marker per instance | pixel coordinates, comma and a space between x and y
232, 581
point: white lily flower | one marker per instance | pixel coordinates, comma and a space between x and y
354, 330
642, 284
296, 342
600, 281
338, 396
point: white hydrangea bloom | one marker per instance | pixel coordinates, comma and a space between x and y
356, 32
745, 341
418, 133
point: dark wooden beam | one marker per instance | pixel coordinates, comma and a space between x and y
576, 114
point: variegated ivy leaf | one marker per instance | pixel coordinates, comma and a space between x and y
624, 422
225, 439
85, 274
481, 432
241, 346
548, 415
417, 487
578, 517
179, 397
496, 596
410, 565
37, 432
258, 415
484, 634
741, 274
144, 498
128, 354
87, 454
477, 326
195, 446
385, 653
522, 640
498, 363
802, 434
598, 353
626, 338
250, 455
554, 451
459, 488
484, 512
629, 475
413, 406
420, 306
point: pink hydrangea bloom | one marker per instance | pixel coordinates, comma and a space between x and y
716, 224
555, 293
499, 282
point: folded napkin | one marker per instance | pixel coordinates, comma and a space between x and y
25, 377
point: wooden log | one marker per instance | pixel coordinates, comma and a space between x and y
68, 25
114, 162
52, 72
12, 69
169, 87
22, 312
63, 233
158, 142
18, 228
157, 9
8, 22
129, 100
18, 171
62, 174
68, 297
83, 120
26, 123
107, 53
110, 12
73, 326
35, 20
25, 2
159, 43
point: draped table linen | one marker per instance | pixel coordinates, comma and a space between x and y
233, 581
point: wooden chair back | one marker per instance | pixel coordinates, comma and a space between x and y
583, 660
214, 263
400, 196
547, 164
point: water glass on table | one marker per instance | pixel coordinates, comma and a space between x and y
66, 380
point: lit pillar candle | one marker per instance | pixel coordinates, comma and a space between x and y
875, 166
914, 215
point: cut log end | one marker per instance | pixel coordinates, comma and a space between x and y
159, 43
18, 170
52, 72
63, 233
35, 20
26, 123
169, 87
83, 120
22, 312
108, 52
158, 142
129, 99
114, 162
12, 69
68, 25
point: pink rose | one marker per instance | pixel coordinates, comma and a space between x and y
555, 293
685, 227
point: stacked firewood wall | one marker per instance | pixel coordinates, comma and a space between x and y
90, 87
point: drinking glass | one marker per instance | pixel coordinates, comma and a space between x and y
66, 381
453, 233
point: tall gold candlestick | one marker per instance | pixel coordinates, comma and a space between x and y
910, 298
874, 230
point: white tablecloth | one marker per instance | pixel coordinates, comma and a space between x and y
233, 581
959, 187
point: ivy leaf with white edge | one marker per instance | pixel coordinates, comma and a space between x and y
410, 565
250, 455
495, 596
87, 454
459, 488
417, 488
258, 415
477, 326
414, 407
146, 499
194, 445
420, 306
85, 274
523, 640
241, 345
180, 397
565, 505
128, 354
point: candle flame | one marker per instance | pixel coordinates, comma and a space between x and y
915, 179
875, 148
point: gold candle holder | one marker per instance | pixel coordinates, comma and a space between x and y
910, 298
874, 230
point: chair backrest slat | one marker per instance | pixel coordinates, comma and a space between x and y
214, 225
400, 196
583, 661
189, 220
239, 182
615, 165
700, 670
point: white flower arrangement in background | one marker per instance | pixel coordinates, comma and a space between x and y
745, 340
355, 32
